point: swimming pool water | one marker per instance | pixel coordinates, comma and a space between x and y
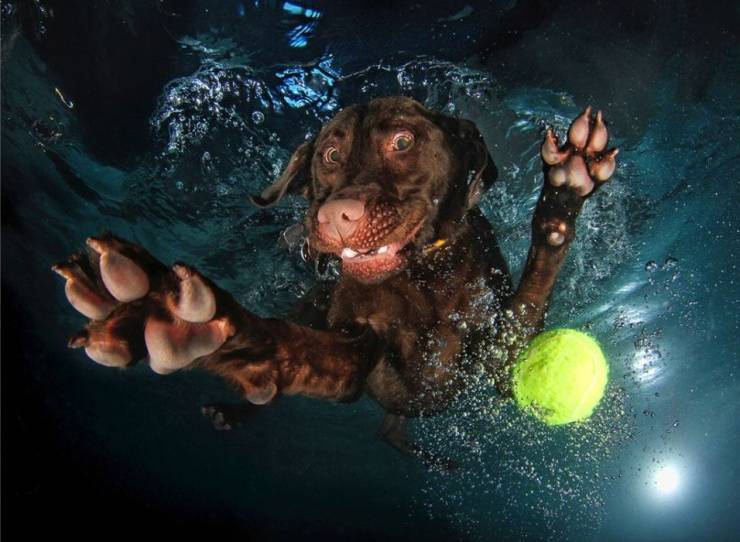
157, 120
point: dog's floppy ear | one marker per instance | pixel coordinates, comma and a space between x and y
295, 178
481, 171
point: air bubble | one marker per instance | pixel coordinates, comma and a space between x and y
670, 263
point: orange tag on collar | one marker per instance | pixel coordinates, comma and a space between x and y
439, 243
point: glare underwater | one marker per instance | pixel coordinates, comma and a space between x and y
157, 120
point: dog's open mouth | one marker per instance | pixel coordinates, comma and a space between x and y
375, 263
379, 243
372, 263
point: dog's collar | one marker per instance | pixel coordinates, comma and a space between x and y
432, 247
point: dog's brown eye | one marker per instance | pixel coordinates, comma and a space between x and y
402, 141
331, 156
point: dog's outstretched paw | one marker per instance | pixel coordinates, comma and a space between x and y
583, 163
140, 309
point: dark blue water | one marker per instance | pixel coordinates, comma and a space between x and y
156, 120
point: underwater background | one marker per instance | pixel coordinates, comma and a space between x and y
157, 119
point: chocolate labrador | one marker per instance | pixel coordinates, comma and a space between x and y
424, 302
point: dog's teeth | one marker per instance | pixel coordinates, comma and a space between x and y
383, 249
348, 253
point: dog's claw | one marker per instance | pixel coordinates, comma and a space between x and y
109, 354
603, 169
550, 152
196, 302
597, 138
78, 340
62, 269
81, 294
579, 129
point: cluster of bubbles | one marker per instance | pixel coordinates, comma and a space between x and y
517, 475
231, 119
220, 133
438, 84
38, 14
193, 105
512, 473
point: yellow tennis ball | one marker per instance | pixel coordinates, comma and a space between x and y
561, 376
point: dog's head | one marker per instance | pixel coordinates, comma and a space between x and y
385, 181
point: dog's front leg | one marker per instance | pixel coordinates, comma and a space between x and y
572, 173
175, 318
268, 356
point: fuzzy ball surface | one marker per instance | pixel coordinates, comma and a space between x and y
561, 376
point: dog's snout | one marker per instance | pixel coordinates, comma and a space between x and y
339, 218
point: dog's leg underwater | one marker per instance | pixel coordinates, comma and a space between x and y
175, 318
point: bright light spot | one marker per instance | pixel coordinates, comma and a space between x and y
666, 480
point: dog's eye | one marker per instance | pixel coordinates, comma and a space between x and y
331, 156
402, 141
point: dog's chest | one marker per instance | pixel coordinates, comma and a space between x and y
407, 311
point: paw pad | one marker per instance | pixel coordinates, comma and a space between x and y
555, 233
175, 345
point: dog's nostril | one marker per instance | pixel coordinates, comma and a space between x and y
352, 209
340, 218
341, 210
